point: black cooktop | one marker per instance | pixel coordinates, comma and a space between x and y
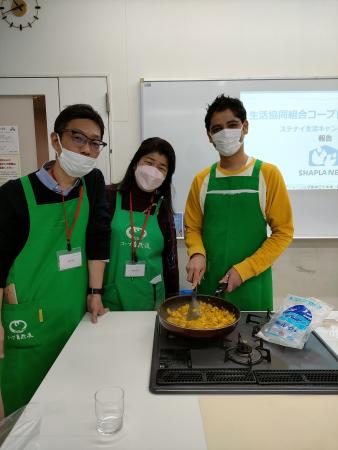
240, 363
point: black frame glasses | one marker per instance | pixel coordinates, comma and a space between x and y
80, 140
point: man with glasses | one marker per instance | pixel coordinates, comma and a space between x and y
228, 209
54, 243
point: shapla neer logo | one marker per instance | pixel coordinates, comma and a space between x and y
324, 156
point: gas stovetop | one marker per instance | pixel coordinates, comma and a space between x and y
240, 363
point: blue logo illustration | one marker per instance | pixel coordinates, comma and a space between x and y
323, 156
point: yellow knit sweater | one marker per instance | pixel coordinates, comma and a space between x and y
275, 206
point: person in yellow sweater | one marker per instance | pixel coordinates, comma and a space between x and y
227, 212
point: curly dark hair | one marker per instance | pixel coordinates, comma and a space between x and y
221, 103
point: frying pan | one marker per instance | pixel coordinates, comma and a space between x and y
179, 300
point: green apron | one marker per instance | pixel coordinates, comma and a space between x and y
50, 302
233, 229
123, 293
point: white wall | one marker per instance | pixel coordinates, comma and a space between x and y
130, 39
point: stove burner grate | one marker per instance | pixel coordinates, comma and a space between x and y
243, 358
244, 354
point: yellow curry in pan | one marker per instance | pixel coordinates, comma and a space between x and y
211, 317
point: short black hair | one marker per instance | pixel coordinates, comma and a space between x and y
150, 145
221, 103
77, 111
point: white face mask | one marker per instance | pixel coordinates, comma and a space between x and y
227, 141
75, 164
148, 178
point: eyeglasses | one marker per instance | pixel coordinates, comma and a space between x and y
80, 140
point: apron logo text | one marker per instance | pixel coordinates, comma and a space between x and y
140, 245
20, 337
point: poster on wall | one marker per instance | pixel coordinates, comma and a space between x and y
9, 168
9, 140
9, 153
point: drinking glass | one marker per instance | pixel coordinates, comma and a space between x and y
109, 408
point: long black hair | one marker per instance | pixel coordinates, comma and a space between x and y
150, 145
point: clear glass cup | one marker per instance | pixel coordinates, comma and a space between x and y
109, 409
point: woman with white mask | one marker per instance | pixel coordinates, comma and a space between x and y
143, 267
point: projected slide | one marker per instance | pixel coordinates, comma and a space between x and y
297, 131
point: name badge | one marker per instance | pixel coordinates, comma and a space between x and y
69, 259
135, 269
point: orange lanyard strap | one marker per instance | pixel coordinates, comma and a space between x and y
70, 231
133, 245
77, 212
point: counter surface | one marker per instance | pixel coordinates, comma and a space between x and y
117, 351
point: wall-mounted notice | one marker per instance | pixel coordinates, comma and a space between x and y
9, 168
9, 153
9, 140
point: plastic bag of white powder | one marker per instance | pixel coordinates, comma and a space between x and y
293, 322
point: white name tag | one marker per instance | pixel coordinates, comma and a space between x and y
69, 260
135, 269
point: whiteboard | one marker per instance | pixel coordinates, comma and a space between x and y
175, 110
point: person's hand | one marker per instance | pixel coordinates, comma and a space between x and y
95, 306
232, 277
2, 334
195, 269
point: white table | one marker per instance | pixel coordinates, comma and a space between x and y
117, 351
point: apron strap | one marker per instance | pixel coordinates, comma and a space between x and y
257, 168
255, 171
28, 190
29, 193
159, 203
213, 171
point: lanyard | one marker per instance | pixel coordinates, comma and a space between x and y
133, 245
77, 212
